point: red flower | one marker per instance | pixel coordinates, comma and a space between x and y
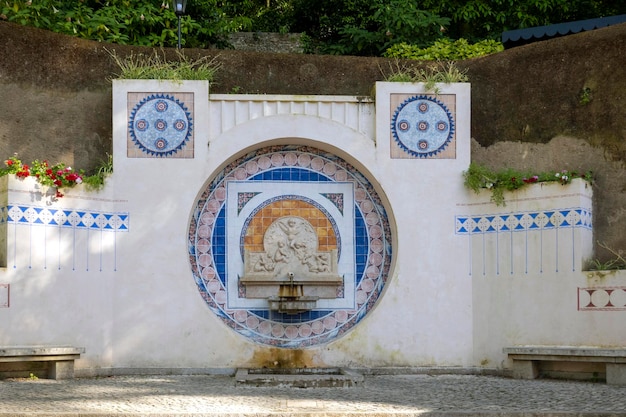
58, 182
8, 162
58, 194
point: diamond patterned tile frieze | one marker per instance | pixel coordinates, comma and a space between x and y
527, 221
81, 219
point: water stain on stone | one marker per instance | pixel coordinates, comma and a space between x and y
283, 358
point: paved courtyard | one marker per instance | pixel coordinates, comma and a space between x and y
213, 395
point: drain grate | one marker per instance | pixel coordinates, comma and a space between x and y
298, 377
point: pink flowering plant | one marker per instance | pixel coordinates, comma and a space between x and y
56, 176
479, 177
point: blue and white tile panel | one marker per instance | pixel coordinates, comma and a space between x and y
523, 221
295, 173
72, 218
525, 242
62, 238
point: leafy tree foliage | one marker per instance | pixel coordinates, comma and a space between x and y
369, 27
349, 27
264, 15
145, 22
487, 19
365, 27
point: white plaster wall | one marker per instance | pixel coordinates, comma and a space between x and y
538, 296
148, 313
425, 316
143, 309
61, 279
161, 320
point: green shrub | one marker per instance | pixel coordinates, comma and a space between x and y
445, 50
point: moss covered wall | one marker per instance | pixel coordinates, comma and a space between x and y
557, 104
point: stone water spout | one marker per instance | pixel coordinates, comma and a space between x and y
291, 273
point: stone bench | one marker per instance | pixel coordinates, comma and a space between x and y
59, 359
526, 359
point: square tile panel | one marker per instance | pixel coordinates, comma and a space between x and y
423, 126
160, 125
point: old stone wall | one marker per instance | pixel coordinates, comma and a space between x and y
552, 105
266, 42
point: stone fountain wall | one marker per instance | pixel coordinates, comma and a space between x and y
147, 273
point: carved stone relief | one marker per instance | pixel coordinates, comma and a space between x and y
291, 256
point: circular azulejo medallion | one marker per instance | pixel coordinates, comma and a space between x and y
290, 246
160, 125
422, 126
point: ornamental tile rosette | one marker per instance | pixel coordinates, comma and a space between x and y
161, 125
422, 126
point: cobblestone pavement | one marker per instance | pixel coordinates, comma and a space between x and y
213, 395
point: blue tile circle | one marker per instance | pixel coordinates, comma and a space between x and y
160, 125
208, 254
422, 126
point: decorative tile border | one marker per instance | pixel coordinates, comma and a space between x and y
72, 218
73, 224
523, 221
492, 237
602, 299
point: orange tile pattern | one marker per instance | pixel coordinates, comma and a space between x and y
253, 240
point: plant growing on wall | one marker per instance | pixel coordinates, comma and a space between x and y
56, 176
437, 73
478, 177
618, 262
156, 66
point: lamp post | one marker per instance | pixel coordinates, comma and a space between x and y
179, 9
